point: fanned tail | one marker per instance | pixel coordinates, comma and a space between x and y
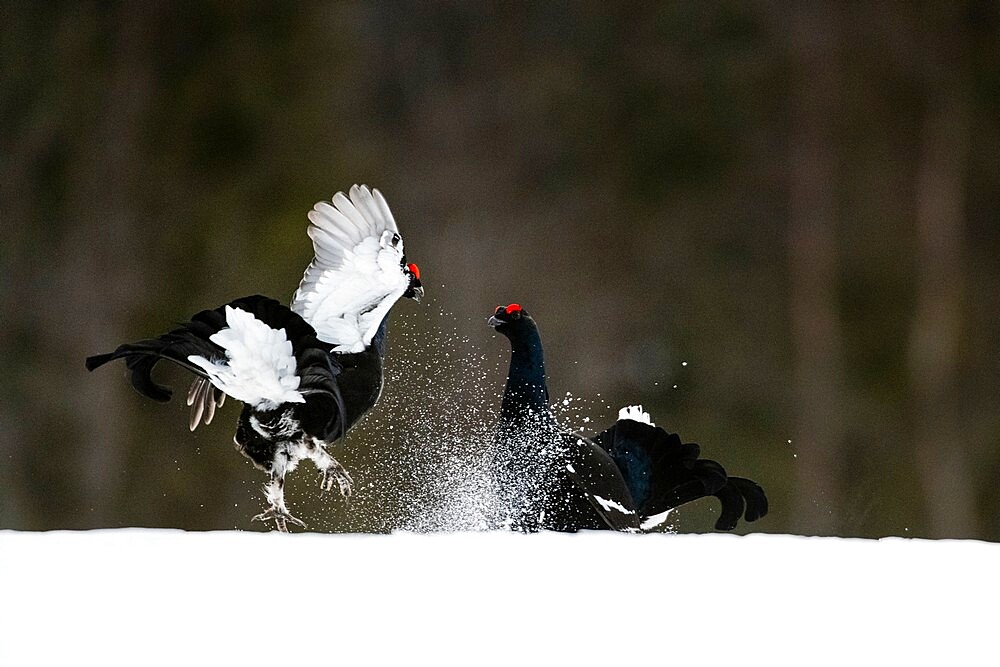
662, 473
675, 485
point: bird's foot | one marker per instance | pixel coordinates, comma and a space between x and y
281, 517
334, 473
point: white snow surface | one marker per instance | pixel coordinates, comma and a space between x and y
167, 597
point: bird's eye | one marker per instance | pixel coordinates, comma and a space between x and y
516, 315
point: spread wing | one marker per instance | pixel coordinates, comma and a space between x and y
595, 474
357, 273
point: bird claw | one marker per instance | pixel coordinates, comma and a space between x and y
281, 518
337, 474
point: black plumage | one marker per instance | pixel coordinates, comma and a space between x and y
265, 433
193, 338
617, 479
338, 390
305, 373
662, 473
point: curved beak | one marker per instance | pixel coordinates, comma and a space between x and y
494, 322
418, 294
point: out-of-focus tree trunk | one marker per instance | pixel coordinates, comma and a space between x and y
115, 180
816, 332
18, 155
942, 453
22, 148
87, 294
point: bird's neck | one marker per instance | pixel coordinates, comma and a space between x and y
525, 396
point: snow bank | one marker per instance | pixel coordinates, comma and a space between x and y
155, 597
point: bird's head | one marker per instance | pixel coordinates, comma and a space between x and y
511, 320
415, 290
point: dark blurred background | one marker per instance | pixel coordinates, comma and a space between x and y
773, 224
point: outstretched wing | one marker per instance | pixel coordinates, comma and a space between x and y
595, 474
357, 273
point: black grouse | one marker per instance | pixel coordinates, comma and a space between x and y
306, 373
625, 478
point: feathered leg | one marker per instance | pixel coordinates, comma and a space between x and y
332, 470
274, 491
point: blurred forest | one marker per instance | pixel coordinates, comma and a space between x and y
775, 225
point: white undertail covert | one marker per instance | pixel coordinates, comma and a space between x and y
636, 414
259, 368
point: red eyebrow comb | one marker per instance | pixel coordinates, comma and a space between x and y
513, 308
414, 270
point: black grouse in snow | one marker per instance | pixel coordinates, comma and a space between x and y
624, 478
305, 373
537, 462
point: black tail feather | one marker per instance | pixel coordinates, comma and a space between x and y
740, 497
733, 506
756, 499
675, 486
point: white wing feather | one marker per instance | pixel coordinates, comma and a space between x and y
356, 275
260, 369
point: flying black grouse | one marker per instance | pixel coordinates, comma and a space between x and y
623, 479
307, 373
